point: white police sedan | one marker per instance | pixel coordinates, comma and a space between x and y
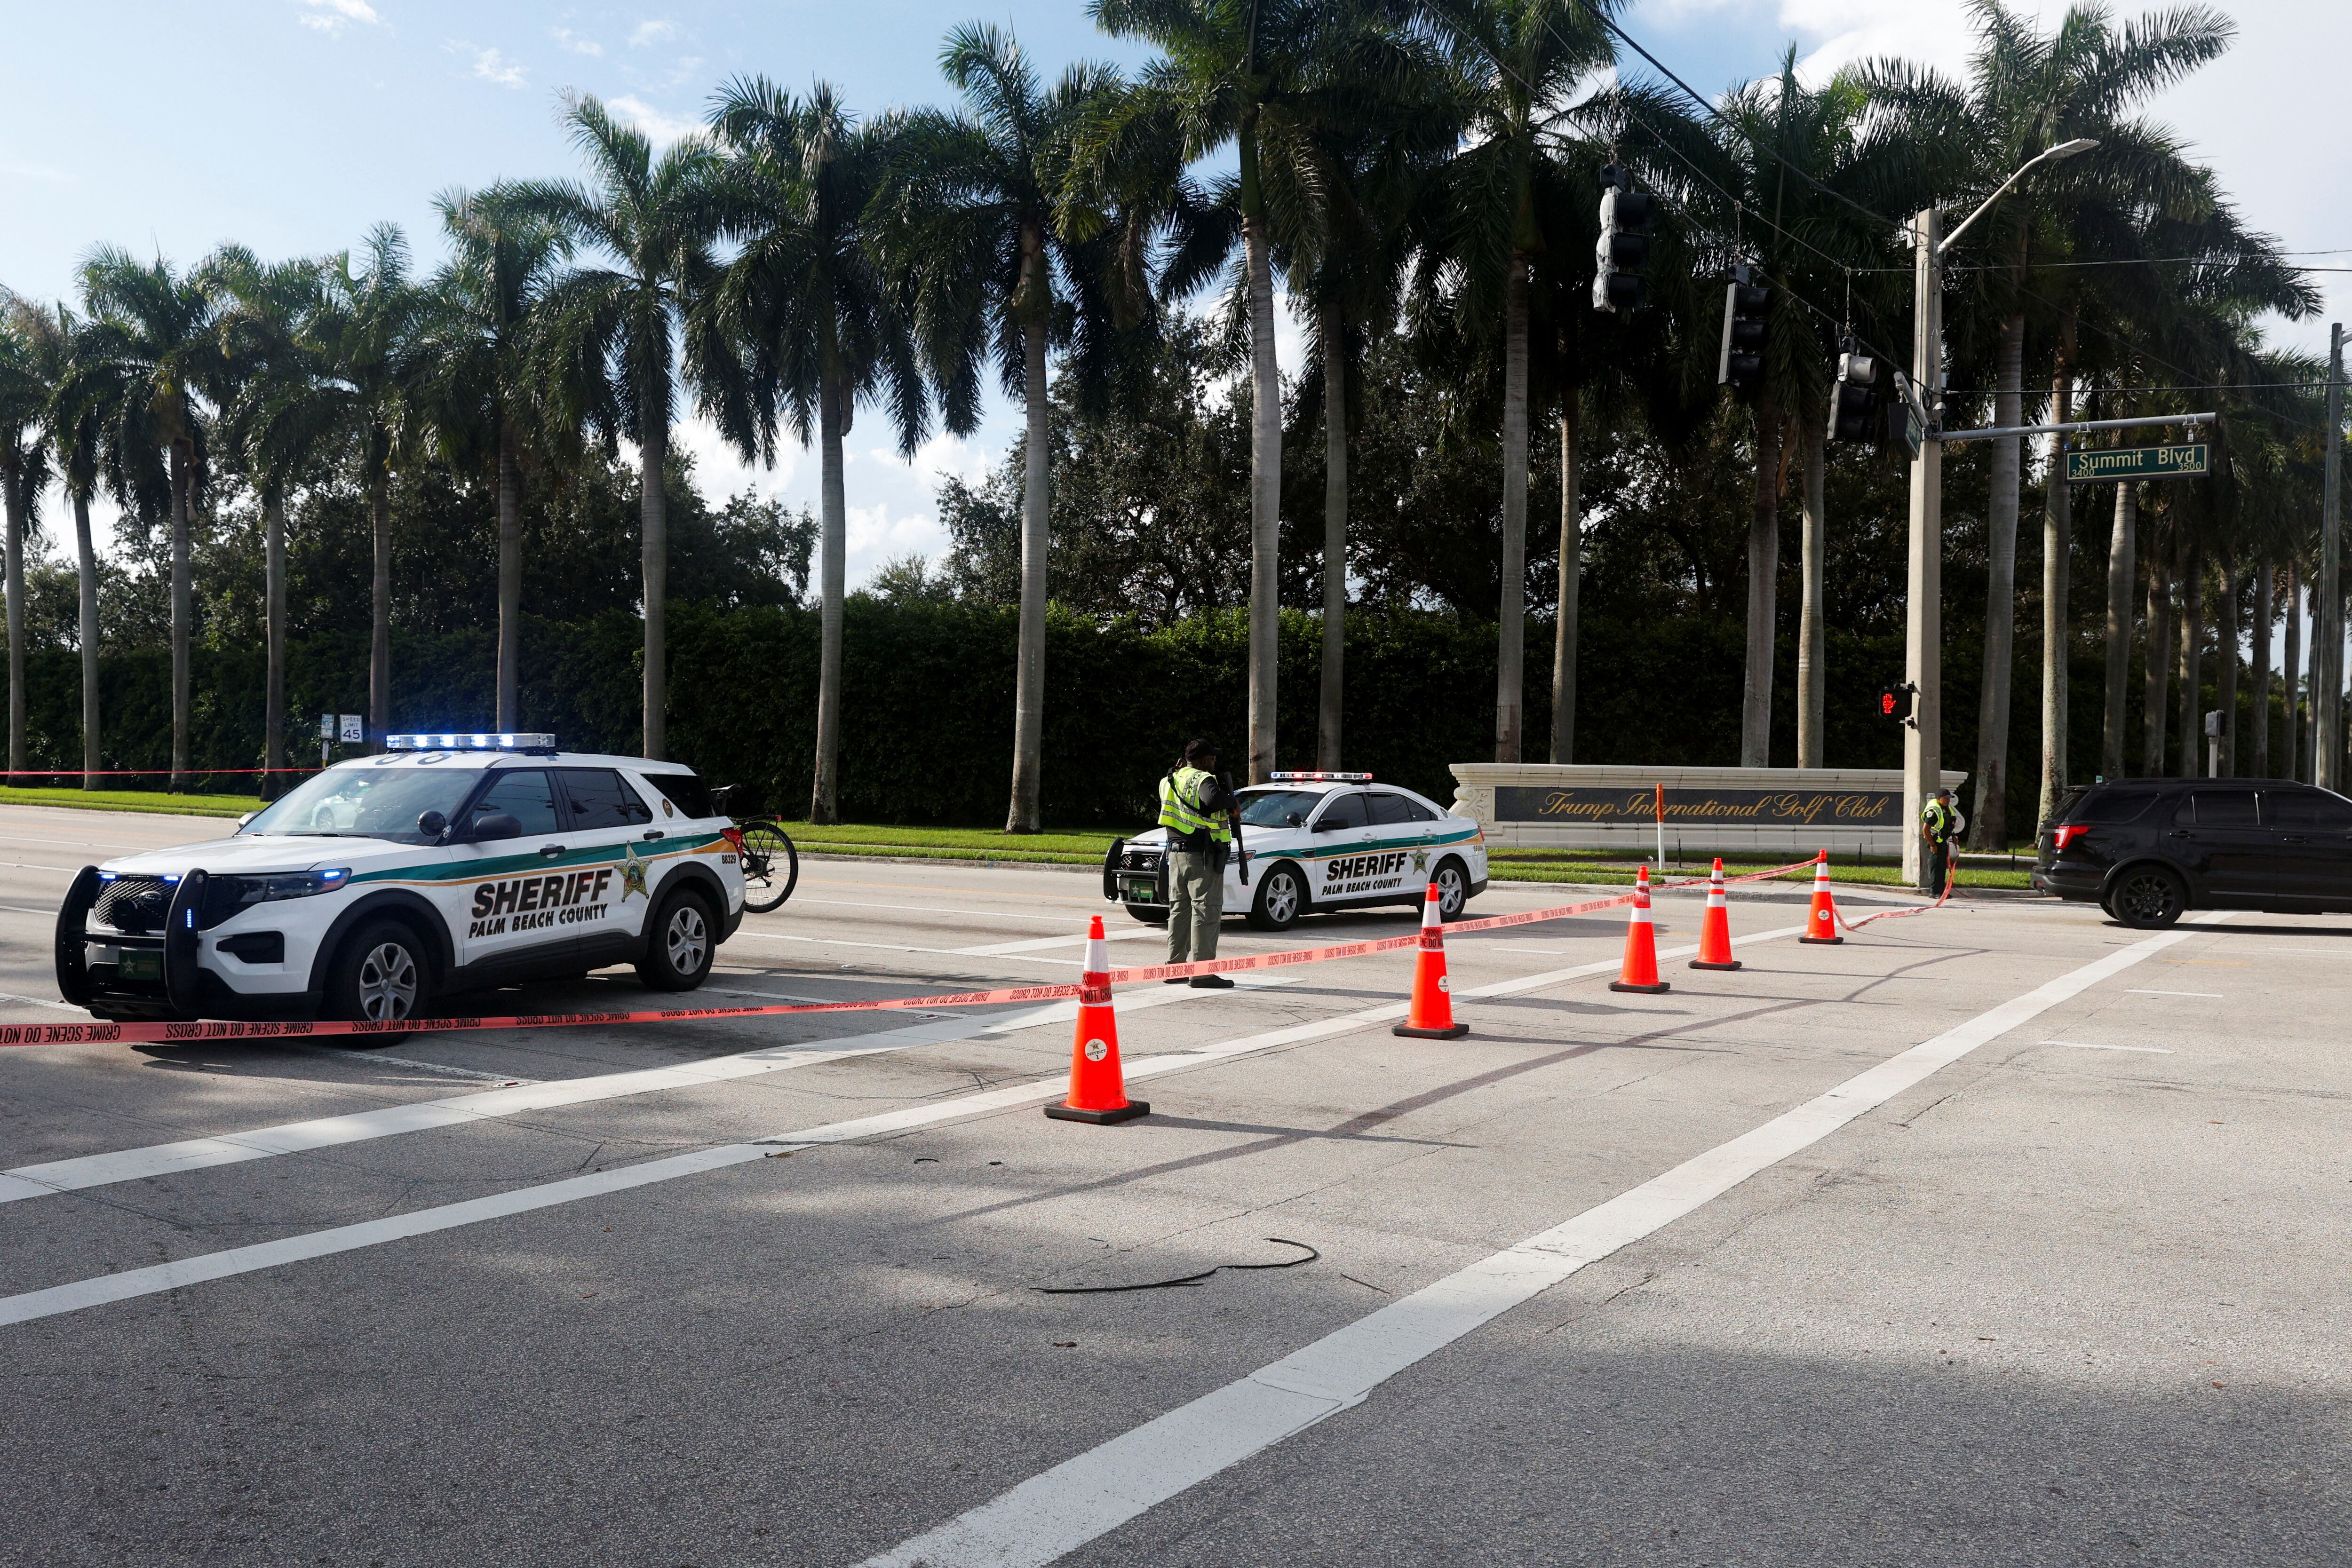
450, 862
1317, 842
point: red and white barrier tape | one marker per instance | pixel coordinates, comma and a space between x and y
101, 1033
1951, 876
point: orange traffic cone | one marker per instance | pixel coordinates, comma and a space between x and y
1432, 1014
1641, 968
1097, 1088
1820, 925
1714, 927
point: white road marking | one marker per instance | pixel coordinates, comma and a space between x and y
20, 909
28, 865
2143, 991
935, 909
1061, 1510
1037, 944
891, 947
342, 1054
361, 1126
2086, 1045
42, 1002
161, 1277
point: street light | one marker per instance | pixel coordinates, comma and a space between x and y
1923, 620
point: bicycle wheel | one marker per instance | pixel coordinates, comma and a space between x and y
771, 867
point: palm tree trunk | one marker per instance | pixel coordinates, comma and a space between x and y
824, 798
183, 484
1029, 681
1812, 623
1571, 568
1511, 620
653, 513
510, 576
379, 594
2157, 664
2225, 672
1763, 567
273, 619
86, 559
12, 494
1328, 711
2192, 649
2057, 551
2264, 572
1988, 823
2122, 545
1265, 500
2290, 675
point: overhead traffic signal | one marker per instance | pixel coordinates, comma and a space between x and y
1623, 249
1744, 303
1854, 399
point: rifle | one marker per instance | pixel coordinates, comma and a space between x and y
1233, 818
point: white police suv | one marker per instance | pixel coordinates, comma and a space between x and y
1317, 842
450, 862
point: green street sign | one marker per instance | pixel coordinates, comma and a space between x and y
2139, 462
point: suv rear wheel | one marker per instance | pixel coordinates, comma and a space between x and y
2147, 897
680, 945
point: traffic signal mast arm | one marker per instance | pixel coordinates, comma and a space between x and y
1948, 436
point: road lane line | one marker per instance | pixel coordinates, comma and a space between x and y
346, 1053
41, 1002
1097, 1491
332, 1132
1038, 944
161, 1277
2143, 991
20, 909
2086, 1045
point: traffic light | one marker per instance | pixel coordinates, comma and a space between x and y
1625, 246
1742, 365
1855, 398
1893, 701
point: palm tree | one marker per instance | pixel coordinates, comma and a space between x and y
976, 228
1517, 62
279, 411
611, 331
471, 365
807, 306
77, 428
25, 385
151, 346
364, 325
1232, 72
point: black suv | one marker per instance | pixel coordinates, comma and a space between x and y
2148, 849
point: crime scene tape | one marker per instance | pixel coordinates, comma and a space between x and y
100, 1032
1951, 876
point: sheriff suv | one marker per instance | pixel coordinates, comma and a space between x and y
2145, 850
1319, 842
450, 862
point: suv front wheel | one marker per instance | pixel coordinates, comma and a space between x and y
2147, 898
381, 975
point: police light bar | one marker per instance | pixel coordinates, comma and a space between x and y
1319, 778
470, 743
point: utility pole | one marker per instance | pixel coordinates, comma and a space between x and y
2327, 702
1923, 615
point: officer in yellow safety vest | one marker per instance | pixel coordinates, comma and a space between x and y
1195, 810
1939, 823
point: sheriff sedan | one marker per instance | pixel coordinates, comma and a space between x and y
450, 862
1320, 842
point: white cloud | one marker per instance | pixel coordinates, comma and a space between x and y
720, 471
491, 66
651, 33
659, 127
333, 15
567, 39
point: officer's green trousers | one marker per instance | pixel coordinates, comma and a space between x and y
1196, 901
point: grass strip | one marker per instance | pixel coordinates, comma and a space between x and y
133, 800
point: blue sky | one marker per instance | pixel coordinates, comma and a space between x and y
294, 125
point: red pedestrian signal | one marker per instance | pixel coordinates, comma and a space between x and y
1890, 702
1887, 705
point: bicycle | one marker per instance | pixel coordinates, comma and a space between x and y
771, 865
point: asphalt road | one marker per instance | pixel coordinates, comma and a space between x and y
1999, 1235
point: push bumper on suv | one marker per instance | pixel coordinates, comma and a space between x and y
133, 946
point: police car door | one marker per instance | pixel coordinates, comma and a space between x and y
503, 916
1341, 834
607, 824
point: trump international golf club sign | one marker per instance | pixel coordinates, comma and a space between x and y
1843, 809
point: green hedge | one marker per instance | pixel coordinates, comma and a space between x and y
928, 710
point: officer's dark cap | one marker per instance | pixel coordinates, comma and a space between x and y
1203, 751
